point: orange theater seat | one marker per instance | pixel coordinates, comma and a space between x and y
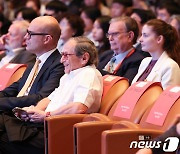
158, 118
131, 106
59, 129
11, 73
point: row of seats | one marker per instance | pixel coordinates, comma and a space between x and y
124, 114
129, 111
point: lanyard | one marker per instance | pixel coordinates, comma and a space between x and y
119, 65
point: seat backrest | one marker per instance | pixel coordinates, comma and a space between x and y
114, 87
164, 112
11, 73
135, 101
108, 82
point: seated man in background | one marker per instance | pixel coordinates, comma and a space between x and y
123, 59
79, 91
14, 45
39, 81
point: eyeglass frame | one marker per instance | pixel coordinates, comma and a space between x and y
66, 54
114, 34
30, 33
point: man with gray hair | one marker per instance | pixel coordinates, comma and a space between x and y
123, 59
14, 44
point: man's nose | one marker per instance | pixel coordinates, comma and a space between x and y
62, 59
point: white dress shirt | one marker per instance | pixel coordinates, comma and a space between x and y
82, 85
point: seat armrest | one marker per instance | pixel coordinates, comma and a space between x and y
125, 124
88, 136
120, 140
59, 133
96, 117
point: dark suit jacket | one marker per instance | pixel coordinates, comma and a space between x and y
24, 57
169, 133
129, 66
46, 81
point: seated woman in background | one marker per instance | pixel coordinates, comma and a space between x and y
25, 13
100, 28
89, 15
161, 41
71, 26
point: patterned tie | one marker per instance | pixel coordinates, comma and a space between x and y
110, 65
30, 79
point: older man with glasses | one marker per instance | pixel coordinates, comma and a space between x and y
123, 59
13, 44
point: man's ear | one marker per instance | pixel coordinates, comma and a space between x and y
131, 36
24, 43
85, 58
47, 38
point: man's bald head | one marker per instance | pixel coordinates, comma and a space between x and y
47, 24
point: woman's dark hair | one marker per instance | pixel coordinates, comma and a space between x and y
5, 24
104, 24
145, 15
169, 33
76, 23
27, 13
92, 13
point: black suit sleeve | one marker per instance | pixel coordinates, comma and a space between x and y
40, 89
169, 133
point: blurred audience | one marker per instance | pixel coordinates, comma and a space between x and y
55, 8
4, 24
175, 22
35, 5
74, 6
120, 8
89, 15
25, 13
166, 10
97, 4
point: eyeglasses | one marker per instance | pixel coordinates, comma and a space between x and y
30, 33
115, 34
66, 54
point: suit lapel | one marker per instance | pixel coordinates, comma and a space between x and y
47, 63
157, 66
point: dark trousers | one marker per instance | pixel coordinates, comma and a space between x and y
20, 137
